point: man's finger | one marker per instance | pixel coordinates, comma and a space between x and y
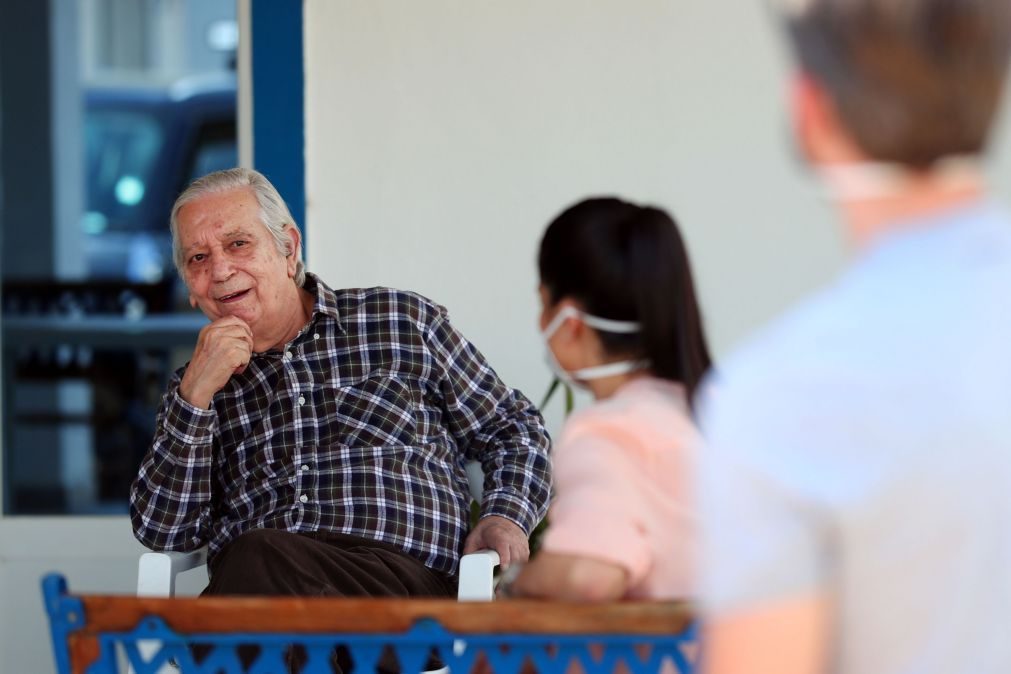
471, 544
522, 553
229, 325
504, 550
239, 331
242, 357
505, 558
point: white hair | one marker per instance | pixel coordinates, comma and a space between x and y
274, 213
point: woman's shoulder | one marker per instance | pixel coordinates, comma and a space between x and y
644, 407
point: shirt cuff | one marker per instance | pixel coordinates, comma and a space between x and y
189, 424
511, 506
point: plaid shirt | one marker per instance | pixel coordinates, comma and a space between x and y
362, 426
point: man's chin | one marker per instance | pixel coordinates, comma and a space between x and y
222, 311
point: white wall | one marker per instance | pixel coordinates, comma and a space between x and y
95, 554
443, 135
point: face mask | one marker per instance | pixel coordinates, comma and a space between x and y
577, 377
876, 180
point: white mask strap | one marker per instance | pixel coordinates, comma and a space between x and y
602, 324
609, 370
597, 371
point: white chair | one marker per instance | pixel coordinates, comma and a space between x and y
157, 573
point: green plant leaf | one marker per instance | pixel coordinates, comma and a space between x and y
570, 404
550, 393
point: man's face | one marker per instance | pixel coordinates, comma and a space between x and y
231, 264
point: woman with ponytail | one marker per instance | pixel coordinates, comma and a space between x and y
620, 319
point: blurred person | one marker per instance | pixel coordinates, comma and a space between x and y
619, 318
855, 506
316, 440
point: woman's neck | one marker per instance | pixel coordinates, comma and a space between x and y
605, 387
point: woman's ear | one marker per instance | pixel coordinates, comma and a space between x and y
571, 328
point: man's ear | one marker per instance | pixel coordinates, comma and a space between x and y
803, 116
294, 249
193, 301
817, 127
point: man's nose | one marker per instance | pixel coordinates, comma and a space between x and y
221, 268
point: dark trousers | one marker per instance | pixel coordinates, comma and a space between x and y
271, 562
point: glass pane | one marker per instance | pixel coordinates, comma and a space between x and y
121, 151
215, 155
94, 316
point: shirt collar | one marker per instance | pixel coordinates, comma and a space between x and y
326, 299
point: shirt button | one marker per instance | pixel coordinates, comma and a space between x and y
301, 400
287, 355
316, 336
303, 498
305, 468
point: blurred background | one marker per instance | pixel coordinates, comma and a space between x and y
432, 143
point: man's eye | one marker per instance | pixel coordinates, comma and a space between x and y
199, 257
239, 244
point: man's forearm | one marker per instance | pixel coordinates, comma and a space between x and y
495, 425
170, 499
517, 469
513, 449
165, 516
516, 505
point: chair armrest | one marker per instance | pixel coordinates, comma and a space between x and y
157, 571
477, 576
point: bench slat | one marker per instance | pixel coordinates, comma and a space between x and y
323, 615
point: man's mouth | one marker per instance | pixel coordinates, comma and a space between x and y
233, 297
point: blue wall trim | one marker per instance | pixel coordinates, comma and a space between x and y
278, 76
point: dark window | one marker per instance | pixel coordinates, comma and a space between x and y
94, 317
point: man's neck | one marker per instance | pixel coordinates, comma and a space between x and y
300, 312
921, 197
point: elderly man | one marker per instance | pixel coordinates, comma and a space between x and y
316, 440
855, 492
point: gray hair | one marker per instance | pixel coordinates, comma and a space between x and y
274, 213
912, 80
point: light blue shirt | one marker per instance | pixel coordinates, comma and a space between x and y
861, 445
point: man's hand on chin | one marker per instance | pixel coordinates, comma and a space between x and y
223, 348
501, 535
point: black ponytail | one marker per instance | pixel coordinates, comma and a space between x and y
627, 262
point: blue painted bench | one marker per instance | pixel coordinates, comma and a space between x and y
96, 634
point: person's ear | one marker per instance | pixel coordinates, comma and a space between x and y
570, 328
803, 116
817, 127
193, 301
545, 313
294, 249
